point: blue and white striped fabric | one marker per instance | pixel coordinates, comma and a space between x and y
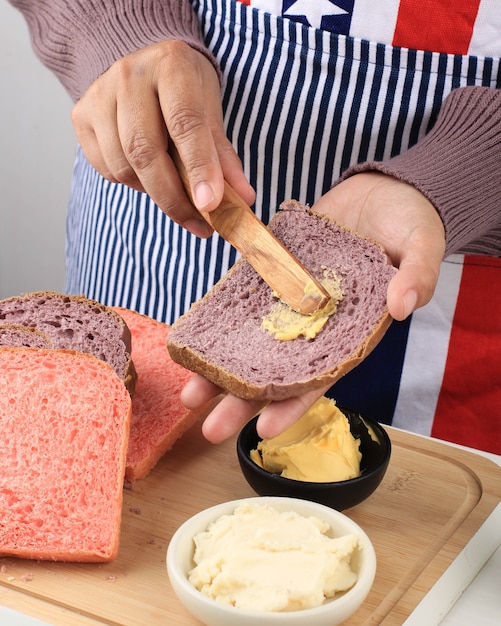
300, 106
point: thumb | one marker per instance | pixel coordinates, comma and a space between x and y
412, 287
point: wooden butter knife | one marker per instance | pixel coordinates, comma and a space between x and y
235, 221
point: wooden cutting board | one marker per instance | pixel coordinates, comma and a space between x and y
431, 502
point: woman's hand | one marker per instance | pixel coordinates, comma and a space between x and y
411, 231
167, 93
404, 222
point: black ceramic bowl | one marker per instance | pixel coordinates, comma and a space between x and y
338, 495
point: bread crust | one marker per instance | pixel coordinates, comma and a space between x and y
230, 381
129, 374
234, 384
159, 417
32, 336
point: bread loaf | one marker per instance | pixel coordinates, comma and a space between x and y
158, 417
75, 323
221, 336
64, 418
14, 335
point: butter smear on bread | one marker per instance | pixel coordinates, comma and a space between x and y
286, 324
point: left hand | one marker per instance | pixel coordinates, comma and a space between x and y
409, 228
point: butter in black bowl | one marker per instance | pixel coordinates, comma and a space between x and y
370, 437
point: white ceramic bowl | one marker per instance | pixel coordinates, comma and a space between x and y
212, 613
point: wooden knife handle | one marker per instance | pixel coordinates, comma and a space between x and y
235, 221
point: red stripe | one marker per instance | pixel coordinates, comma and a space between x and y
445, 26
469, 406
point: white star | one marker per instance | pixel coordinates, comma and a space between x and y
314, 11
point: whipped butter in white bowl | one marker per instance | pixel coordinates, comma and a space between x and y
271, 560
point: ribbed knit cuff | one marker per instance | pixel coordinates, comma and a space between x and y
457, 165
81, 39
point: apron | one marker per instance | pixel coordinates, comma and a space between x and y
300, 106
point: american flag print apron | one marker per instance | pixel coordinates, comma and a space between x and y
301, 104
468, 27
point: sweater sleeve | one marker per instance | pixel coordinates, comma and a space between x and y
81, 39
457, 166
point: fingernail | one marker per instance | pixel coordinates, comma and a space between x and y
203, 195
199, 228
410, 300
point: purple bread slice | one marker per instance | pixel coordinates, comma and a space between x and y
15, 336
221, 336
75, 323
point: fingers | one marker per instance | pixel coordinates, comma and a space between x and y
191, 110
97, 133
404, 222
228, 417
233, 172
165, 94
411, 288
197, 392
278, 416
421, 256
144, 140
195, 126
231, 413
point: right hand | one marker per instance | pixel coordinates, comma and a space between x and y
377, 206
167, 93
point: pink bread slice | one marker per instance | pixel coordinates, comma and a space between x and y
64, 419
158, 417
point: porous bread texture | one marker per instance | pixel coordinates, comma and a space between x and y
158, 417
14, 335
221, 336
65, 419
75, 323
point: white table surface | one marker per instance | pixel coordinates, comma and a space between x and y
479, 604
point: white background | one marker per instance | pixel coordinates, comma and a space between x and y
37, 151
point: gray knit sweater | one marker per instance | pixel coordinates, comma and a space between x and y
457, 165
